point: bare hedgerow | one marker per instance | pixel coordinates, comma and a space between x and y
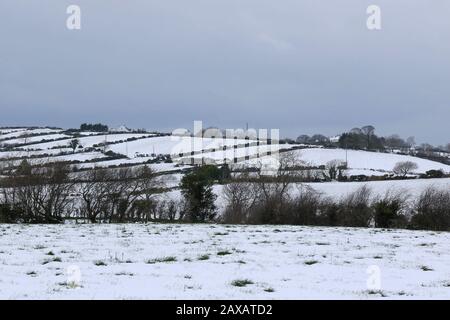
355, 209
240, 197
40, 194
304, 208
390, 210
432, 210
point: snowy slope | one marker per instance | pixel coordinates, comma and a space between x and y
34, 139
88, 141
172, 145
366, 160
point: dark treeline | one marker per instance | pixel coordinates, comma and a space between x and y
51, 194
251, 203
97, 127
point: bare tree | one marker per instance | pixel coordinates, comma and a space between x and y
95, 194
239, 197
404, 168
411, 142
43, 194
368, 131
334, 169
73, 144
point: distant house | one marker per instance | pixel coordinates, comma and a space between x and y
335, 139
121, 129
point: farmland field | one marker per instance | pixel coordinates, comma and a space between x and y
162, 261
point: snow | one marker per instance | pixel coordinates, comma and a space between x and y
35, 139
18, 154
158, 167
366, 160
110, 262
12, 133
173, 145
89, 141
229, 154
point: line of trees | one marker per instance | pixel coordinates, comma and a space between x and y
50, 194
246, 204
97, 127
364, 138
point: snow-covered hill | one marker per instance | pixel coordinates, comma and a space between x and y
365, 160
138, 148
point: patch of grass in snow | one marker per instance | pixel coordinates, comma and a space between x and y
241, 282
203, 257
310, 262
56, 259
378, 257
241, 262
426, 244
70, 285
188, 276
223, 253
322, 243
425, 268
221, 233
269, 289
124, 273
100, 263
377, 292
163, 259
50, 253
32, 273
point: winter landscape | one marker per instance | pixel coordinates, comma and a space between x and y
165, 252
224, 150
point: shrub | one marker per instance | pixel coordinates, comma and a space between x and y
432, 210
388, 211
241, 283
434, 174
304, 208
197, 190
355, 210
9, 214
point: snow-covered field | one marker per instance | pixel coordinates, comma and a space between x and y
89, 141
358, 159
162, 261
173, 145
361, 162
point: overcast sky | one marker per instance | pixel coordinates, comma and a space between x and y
303, 66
